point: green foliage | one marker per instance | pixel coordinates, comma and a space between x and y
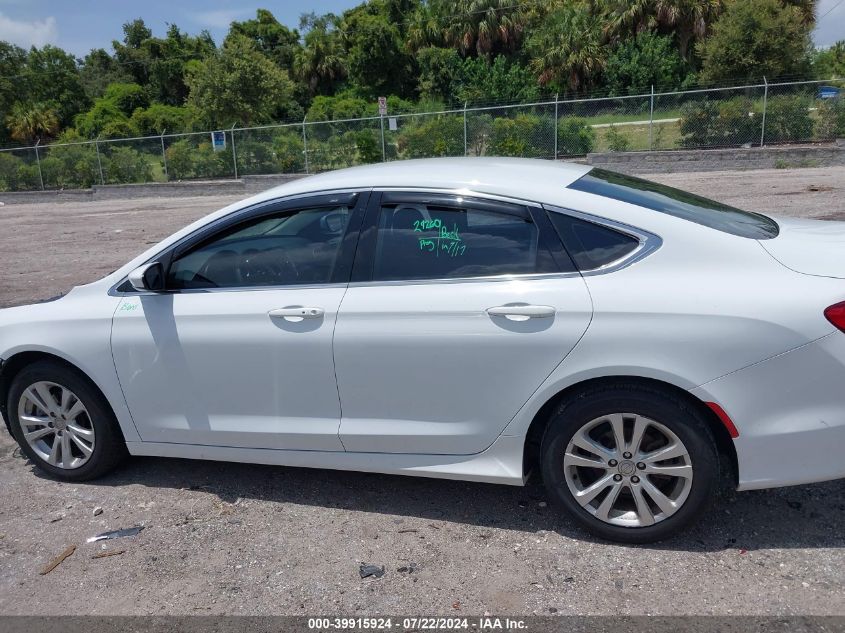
188, 159
637, 64
479, 81
575, 137
239, 85
719, 123
16, 174
321, 63
160, 117
127, 97
128, 165
433, 136
525, 135
439, 68
71, 166
831, 121
271, 37
105, 119
753, 39
288, 150
830, 62
28, 123
368, 146
98, 71
616, 141
788, 119
52, 76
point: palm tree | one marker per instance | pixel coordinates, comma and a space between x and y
481, 27
568, 50
321, 61
686, 19
29, 122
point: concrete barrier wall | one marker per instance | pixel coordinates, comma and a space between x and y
245, 186
720, 159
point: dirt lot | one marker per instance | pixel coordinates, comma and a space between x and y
242, 539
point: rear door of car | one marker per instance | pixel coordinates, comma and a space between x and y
459, 308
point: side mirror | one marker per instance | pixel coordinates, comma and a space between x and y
148, 278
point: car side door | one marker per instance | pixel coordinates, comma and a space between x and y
459, 308
238, 350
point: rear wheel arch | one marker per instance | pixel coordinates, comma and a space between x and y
539, 424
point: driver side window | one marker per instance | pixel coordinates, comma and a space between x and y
286, 248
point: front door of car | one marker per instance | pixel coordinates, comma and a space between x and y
238, 351
458, 310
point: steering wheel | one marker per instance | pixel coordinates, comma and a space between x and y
272, 267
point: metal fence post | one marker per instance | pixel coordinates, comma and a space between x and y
383, 152
465, 128
556, 123
99, 162
765, 98
164, 155
38, 160
234, 154
651, 120
305, 143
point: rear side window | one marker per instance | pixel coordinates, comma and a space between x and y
591, 245
430, 241
680, 204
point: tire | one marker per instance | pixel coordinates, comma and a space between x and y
624, 511
109, 447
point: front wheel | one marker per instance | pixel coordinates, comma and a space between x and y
62, 423
630, 463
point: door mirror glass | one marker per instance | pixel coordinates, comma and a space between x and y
148, 278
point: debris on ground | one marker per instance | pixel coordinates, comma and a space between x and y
116, 534
109, 552
375, 571
410, 568
58, 560
408, 530
98, 511
795, 505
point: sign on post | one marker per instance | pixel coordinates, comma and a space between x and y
218, 141
392, 124
382, 106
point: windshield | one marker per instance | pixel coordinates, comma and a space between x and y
680, 204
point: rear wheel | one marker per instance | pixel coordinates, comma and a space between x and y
630, 463
63, 423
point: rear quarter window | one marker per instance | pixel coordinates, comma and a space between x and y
590, 245
677, 203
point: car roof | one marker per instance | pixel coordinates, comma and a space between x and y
516, 177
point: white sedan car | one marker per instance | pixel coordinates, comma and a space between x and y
477, 319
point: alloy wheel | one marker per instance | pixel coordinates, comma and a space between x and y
56, 425
628, 470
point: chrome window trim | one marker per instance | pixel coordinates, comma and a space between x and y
469, 193
464, 280
648, 242
246, 212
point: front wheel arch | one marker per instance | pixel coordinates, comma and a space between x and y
20, 361
534, 438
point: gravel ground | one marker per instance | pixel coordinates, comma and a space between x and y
243, 539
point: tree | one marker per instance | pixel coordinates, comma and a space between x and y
98, 70
271, 37
12, 86
481, 27
160, 64
376, 59
685, 20
830, 62
321, 63
500, 81
28, 123
52, 77
646, 60
567, 50
755, 39
239, 85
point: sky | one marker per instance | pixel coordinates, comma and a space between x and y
80, 25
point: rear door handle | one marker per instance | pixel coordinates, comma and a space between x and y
301, 312
531, 312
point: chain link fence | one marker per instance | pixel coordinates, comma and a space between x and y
739, 116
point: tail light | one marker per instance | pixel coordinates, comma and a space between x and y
836, 315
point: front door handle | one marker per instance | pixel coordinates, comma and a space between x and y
524, 311
301, 312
